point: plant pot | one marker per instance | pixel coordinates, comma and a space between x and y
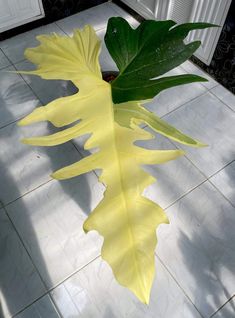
109, 76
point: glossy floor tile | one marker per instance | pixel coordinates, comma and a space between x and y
24, 167
16, 98
50, 220
174, 178
20, 283
93, 292
4, 62
122, 13
228, 311
191, 68
224, 95
210, 121
170, 99
224, 180
97, 17
14, 47
198, 247
43, 308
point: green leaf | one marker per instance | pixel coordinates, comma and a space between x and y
150, 51
148, 89
126, 111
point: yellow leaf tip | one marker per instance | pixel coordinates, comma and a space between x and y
22, 122
181, 152
144, 297
23, 141
54, 175
201, 145
85, 229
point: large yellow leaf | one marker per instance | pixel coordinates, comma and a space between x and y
125, 218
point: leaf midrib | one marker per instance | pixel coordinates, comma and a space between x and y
130, 230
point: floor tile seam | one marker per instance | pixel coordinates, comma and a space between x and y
179, 285
187, 158
68, 277
223, 195
195, 166
12, 122
191, 162
26, 193
28, 254
204, 72
55, 305
185, 194
49, 290
207, 178
19, 61
176, 146
8, 59
221, 99
96, 30
227, 164
3, 69
29, 86
79, 269
221, 307
184, 104
32, 303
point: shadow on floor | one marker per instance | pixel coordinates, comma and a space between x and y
13, 300
205, 248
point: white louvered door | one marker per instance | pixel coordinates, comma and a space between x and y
17, 12
181, 11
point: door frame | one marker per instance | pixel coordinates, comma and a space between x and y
161, 12
37, 17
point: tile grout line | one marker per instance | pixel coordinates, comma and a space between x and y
214, 186
221, 99
96, 30
55, 305
180, 287
204, 72
27, 252
221, 307
184, 104
34, 93
8, 59
202, 173
26, 193
73, 273
185, 194
207, 179
49, 290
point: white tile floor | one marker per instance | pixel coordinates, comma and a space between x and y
49, 267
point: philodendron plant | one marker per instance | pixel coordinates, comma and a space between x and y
113, 113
